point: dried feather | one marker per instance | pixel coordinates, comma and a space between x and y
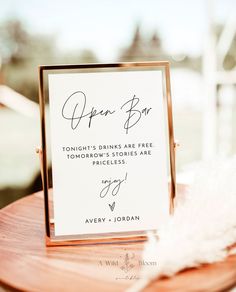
202, 228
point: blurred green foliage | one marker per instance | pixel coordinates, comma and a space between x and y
21, 52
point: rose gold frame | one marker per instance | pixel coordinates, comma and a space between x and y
51, 239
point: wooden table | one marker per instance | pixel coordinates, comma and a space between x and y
26, 264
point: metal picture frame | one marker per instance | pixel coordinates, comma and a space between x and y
51, 239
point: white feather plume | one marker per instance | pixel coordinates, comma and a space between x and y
202, 228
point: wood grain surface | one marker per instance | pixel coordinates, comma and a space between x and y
27, 265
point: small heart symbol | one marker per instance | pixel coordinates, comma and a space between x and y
112, 206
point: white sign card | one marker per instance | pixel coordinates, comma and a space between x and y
109, 151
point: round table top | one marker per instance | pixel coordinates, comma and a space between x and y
27, 264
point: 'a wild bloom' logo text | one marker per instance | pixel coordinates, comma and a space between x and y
128, 264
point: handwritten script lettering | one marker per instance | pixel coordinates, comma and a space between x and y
112, 186
75, 109
134, 115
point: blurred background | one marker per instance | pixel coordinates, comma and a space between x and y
197, 37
